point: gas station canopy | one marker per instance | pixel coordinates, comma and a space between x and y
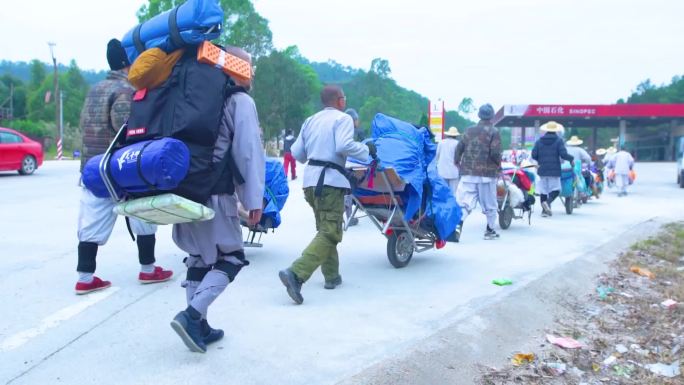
585, 115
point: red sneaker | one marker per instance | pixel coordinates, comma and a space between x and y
95, 285
159, 275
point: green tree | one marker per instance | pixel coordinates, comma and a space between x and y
381, 67
9, 85
283, 89
37, 74
242, 25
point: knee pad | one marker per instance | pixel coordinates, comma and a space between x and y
229, 268
197, 273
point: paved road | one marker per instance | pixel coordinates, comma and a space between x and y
122, 336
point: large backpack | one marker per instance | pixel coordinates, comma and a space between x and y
188, 106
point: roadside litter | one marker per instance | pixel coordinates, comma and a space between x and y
669, 303
603, 291
522, 359
564, 342
671, 370
641, 271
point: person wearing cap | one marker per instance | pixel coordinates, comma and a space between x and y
478, 158
325, 141
446, 150
359, 136
105, 110
548, 151
289, 160
359, 133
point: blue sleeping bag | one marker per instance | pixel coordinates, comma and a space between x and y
91, 179
196, 21
145, 166
276, 192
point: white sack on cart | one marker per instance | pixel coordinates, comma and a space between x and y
516, 195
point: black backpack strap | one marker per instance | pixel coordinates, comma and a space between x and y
128, 227
174, 33
139, 45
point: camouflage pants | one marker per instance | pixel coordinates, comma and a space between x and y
322, 251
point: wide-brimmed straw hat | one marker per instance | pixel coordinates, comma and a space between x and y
551, 127
527, 164
611, 150
574, 141
452, 131
601, 151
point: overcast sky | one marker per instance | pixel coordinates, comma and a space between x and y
500, 51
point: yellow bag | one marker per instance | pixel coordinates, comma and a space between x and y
152, 68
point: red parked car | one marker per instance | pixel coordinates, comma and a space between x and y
19, 153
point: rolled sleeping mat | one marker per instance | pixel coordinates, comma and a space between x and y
187, 24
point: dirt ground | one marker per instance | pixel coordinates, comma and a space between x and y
628, 333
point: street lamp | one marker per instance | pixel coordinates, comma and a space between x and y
58, 124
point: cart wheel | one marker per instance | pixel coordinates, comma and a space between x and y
585, 199
569, 205
506, 217
399, 249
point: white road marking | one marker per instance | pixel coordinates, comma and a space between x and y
14, 341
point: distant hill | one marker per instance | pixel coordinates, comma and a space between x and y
22, 70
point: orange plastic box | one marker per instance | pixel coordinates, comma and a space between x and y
209, 53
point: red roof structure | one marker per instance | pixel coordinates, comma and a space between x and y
587, 115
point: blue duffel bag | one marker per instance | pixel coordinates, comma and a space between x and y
143, 167
187, 24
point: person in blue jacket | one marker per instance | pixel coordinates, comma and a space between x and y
548, 151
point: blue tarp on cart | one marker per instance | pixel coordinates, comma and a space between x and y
411, 152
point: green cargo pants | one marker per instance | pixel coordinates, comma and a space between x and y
322, 251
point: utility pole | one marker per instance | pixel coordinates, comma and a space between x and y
57, 102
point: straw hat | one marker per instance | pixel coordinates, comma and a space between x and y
527, 164
551, 127
452, 131
611, 150
574, 141
601, 151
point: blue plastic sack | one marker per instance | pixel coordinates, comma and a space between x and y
163, 164
194, 19
442, 206
91, 179
276, 192
401, 146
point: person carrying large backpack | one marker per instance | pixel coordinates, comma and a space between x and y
215, 247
